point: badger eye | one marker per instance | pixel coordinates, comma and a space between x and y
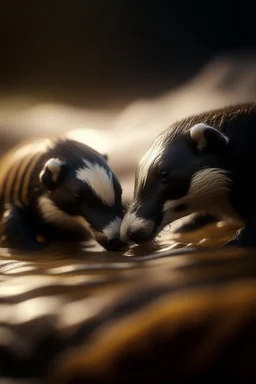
78, 197
165, 176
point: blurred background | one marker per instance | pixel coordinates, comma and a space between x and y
115, 73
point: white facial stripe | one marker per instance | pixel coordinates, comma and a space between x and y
131, 222
54, 165
99, 180
151, 158
54, 215
207, 186
113, 228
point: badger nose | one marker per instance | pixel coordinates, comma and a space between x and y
138, 236
113, 244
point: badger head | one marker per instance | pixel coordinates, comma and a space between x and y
82, 186
181, 173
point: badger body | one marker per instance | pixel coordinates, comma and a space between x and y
203, 163
59, 189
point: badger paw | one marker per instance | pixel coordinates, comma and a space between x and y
244, 237
195, 222
15, 232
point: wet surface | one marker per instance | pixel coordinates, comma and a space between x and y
76, 313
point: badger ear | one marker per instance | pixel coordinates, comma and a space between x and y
51, 173
105, 156
207, 136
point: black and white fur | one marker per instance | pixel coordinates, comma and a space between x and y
59, 189
203, 163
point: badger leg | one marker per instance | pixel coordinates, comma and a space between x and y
16, 229
196, 221
244, 237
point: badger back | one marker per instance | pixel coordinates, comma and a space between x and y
19, 170
234, 121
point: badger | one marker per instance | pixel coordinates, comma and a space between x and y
201, 164
58, 189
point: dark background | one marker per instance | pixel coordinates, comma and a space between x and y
101, 52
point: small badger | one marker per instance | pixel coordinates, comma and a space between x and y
58, 189
203, 163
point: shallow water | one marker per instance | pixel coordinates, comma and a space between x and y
76, 313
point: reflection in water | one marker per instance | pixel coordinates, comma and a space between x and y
68, 308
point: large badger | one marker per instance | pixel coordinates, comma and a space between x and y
58, 189
203, 163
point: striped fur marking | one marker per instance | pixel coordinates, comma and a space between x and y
7, 215
19, 190
134, 223
18, 166
27, 178
112, 230
10, 183
99, 180
151, 158
208, 190
52, 214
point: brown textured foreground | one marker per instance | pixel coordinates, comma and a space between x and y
175, 312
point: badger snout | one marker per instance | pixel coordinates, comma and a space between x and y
109, 236
112, 245
136, 229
